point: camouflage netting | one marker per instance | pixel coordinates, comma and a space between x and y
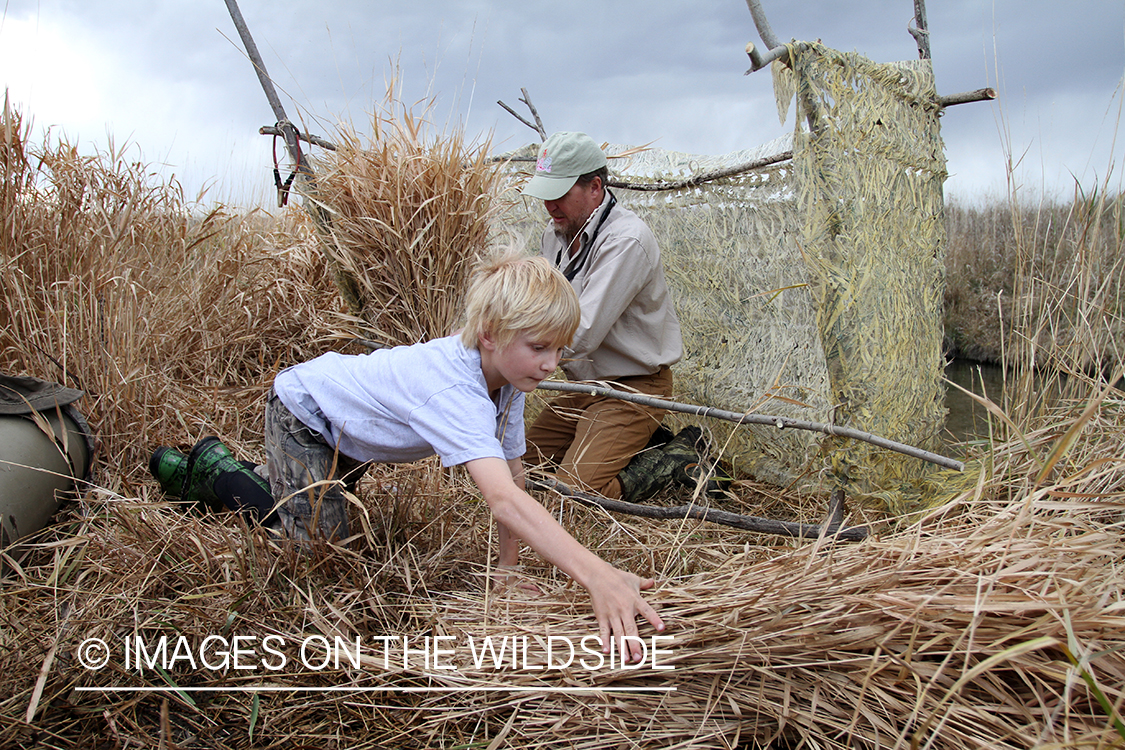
810, 288
870, 167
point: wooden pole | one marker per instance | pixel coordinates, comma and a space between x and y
306, 137
760, 419
980, 95
921, 31
703, 177
775, 50
733, 416
696, 179
758, 13
746, 523
306, 179
288, 130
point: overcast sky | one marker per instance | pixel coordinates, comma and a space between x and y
170, 77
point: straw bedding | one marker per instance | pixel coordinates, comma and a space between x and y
950, 630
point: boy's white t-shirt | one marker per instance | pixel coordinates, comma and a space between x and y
402, 404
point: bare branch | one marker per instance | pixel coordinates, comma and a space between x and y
537, 126
534, 113
697, 179
288, 130
307, 138
514, 114
835, 508
762, 23
780, 423
722, 517
921, 31
980, 95
306, 179
748, 418
759, 60
703, 177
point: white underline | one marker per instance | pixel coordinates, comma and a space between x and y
268, 689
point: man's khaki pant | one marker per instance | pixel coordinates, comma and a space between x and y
592, 438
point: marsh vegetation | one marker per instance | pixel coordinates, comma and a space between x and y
993, 618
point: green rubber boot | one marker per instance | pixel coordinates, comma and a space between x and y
169, 466
207, 461
717, 481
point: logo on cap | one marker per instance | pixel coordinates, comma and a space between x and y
543, 164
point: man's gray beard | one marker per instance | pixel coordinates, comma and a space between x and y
570, 235
572, 231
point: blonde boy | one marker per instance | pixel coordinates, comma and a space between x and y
460, 397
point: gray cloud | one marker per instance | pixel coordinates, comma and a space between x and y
172, 76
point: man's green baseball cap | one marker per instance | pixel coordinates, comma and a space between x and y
562, 160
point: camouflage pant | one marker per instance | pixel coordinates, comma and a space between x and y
309, 474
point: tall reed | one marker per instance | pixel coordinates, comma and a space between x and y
408, 211
1068, 323
170, 317
995, 246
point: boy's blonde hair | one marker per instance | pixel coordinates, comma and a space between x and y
511, 293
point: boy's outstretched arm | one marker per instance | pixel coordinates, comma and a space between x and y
614, 593
509, 543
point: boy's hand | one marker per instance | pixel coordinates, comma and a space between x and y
615, 594
616, 598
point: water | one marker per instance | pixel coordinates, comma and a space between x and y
967, 419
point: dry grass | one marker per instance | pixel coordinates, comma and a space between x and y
171, 320
994, 250
941, 631
409, 211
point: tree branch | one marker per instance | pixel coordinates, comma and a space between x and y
516, 115
759, 60
287, 129
534, 113
921, 30
762, 23
307, 138
748, 418
306, 179
703, 177
722, 517
538, 125
980, 95
736, 417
